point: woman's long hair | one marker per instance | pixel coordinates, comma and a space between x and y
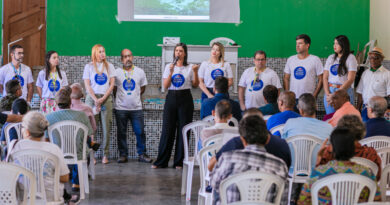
48, 65
345, 50
94, 56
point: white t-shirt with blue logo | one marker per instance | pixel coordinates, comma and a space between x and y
332, 65
303, 73
49, 88
99, 83
209, 71
7, 73
181, 78
254, 88
128, 94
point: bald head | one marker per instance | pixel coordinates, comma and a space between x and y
77, 91
376, 107
339, 98
286, 101
127, 58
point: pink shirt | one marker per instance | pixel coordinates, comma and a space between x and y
80, 106
346, 109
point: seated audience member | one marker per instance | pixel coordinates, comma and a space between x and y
286, 104
387, 113
270, 93
14, 91
355, 124
274, 144
253, 157
221, 92
342, 105
222, 113
65, 113
342, 143
377, 124
34, 126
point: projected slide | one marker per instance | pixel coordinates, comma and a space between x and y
172, 9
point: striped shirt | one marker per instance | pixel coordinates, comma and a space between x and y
252, 157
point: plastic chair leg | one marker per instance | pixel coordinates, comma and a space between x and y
81, 180
91, 164
290, 183
86, 182
184, 179
189, 181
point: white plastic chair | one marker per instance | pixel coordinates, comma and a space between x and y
253, 187
215, 139
190, 161
8, 127
36, 161
277, 128
210, 119
303, 147
344, 188
376, 142
67, 132
266, 117
10, 174
205, 154
225, 41
384, 182
384, 154
367, 163
370, 45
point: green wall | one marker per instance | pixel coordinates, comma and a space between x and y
74, 26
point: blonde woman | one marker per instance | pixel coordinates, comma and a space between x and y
99, 79
214, 67
49, 82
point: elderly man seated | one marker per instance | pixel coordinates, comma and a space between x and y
377, 124
340, 102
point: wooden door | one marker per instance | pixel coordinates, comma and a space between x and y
24, 23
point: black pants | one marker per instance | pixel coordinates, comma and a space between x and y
178, 111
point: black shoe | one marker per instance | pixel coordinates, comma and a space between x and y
144, 158
75, 199
122, 160
95, 146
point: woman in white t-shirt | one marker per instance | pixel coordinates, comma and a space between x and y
99, 80
214, 67
178, 78
339, 72
50, 80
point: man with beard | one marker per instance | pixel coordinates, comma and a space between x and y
16, 70
130, 82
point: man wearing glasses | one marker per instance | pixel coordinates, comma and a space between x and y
374, 82
254, 80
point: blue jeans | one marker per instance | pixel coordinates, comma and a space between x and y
136, 118
364, 113
328, 108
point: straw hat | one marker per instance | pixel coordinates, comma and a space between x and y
378, 51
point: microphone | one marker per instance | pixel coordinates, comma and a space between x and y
175, 60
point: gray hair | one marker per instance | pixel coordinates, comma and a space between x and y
354, 124
35, 123
307, 103
77, 91
378, 105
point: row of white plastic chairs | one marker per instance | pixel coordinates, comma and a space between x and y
67, 132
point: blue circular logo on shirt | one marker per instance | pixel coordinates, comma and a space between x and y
257, 85
101, 79
299, 73
334, 68
53, 87
216, 73
20, 79
178, 80
128, 86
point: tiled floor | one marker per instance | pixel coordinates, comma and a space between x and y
137, 183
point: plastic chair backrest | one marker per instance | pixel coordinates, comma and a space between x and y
253, 187
370, 45
384, 154
277, 128
10, 174
223, 40
195, 128
215, 139
209, 119
205, 154
36, 161
303, 146
8, 127
376, 142
232, 120
367, 163
67, 131
385, 181
344, 188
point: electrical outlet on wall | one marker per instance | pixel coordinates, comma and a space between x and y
171, 40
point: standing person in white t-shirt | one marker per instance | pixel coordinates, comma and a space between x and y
178, 78
253, 80
130, 83
16, 70
99, 80
339, 72
49, 82
302, 70
214, 67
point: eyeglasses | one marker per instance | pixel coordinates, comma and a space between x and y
258, 60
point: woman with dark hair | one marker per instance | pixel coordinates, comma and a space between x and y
178, 78
339, 71
50, 80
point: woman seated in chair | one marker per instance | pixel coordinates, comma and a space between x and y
343, 146
34, 125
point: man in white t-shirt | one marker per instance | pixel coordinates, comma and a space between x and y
374, 81
303, 70
253, 80
130, 83
16, 70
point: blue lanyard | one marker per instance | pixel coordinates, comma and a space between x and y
20, 70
